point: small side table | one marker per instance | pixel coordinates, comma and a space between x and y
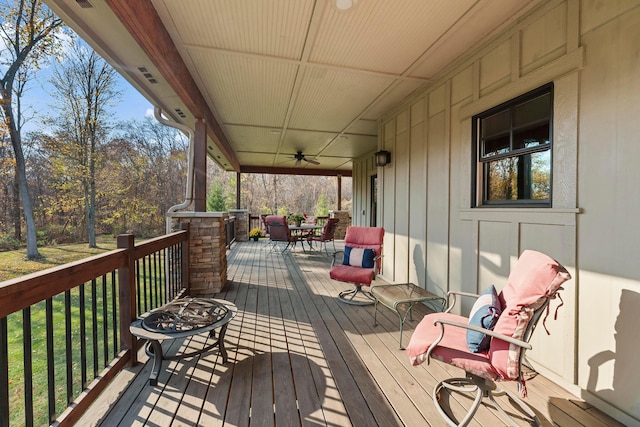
183, 318
406, 295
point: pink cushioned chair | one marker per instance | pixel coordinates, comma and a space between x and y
279, 232
534, 281
358, 241
326, 235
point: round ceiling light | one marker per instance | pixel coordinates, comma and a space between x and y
344, 4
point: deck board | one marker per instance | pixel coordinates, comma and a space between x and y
298, 356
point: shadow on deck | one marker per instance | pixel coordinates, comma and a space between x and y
297, 356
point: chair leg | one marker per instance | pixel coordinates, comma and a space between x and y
326, 251
460, 385
481, 388
276, 247
348, 296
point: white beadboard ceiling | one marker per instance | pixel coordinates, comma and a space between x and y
282, 76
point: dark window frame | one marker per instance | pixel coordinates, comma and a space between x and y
479, 172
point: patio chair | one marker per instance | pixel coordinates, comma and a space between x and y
490, 344
279, 232
326, 235
265, 226
360, 263
310, 219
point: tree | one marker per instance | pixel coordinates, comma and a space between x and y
85, 86
144, 174
28, 34
322, 207
216, 201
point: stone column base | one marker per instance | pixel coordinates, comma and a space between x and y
207, 251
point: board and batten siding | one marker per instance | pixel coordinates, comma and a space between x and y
590, 50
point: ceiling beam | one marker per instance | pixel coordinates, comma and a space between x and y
305, 63
140, 18
294, 171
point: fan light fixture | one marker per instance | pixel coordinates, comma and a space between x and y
383, 158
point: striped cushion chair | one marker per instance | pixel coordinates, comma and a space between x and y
534, 281
360, 263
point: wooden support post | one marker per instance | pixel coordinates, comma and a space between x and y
127, 298
339, 192
238, 189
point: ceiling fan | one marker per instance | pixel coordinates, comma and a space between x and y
300, 157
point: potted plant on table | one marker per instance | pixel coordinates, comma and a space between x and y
255, 234
296, 219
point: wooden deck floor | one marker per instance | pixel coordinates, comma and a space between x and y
297, 356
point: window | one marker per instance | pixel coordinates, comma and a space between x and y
513, 151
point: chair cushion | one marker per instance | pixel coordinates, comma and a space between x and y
534, 277
452, 349
364, 236
358, 257
484, 314
348, 273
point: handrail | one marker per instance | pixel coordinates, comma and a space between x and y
22, 292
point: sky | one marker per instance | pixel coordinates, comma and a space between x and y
37, 101
37, 98
133, 105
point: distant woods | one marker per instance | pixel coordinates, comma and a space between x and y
277, 194
139, 172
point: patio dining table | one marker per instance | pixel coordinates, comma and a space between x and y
303, 230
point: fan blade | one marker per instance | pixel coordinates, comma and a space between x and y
313, 162
298, 162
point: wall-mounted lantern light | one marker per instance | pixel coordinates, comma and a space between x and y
383, 158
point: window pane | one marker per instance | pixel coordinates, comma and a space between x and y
502, 179
526, 177
541, 175
495, 146
531, 137
496, 124
533, 111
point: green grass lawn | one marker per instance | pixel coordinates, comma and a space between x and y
15, 264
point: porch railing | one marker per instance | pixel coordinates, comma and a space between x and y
64, 331
230, 231
256, 222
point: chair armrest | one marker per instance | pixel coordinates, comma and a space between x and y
376, 259
443, 322
333, 257
454, 294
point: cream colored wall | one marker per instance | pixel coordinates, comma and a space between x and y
362, 171
609, 238
590, 50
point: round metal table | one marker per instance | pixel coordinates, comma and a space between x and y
183, 318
